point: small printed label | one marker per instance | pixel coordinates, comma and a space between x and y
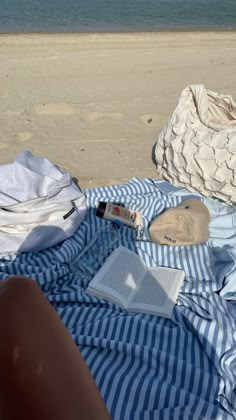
168, 238
69, 213
122, 212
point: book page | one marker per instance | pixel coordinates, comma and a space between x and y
118, 277
158, 291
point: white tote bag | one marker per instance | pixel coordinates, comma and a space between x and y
40, 205
197, 147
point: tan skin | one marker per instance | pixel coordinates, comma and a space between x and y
42, 374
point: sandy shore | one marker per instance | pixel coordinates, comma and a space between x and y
94, 104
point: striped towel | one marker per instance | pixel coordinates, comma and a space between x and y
147, 367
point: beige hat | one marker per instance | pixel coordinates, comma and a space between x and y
186, 224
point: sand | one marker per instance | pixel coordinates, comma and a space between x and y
95, 103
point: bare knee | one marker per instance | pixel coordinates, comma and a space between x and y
15, 291
17, 284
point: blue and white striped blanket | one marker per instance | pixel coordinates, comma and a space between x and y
148, 367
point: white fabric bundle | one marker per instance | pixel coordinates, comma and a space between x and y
40, 205
197, 147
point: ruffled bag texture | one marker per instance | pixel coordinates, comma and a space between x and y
197, 147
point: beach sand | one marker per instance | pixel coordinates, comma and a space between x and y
95, 103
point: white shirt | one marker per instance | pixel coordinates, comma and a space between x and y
40, 205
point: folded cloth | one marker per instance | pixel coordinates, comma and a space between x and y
40, 205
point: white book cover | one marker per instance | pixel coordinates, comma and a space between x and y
126, 281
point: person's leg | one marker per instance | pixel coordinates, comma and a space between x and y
42, 374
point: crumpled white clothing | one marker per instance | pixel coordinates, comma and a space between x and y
40, 205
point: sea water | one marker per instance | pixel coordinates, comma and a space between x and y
116, 15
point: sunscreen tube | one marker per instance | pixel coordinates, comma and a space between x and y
112, 211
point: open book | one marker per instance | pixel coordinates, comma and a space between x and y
126, 281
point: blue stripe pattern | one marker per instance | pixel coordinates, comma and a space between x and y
147, 367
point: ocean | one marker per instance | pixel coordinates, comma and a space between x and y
116, 15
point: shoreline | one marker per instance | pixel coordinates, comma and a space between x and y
125, 33
128, 30
116, 40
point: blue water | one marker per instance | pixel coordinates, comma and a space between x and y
116, 15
